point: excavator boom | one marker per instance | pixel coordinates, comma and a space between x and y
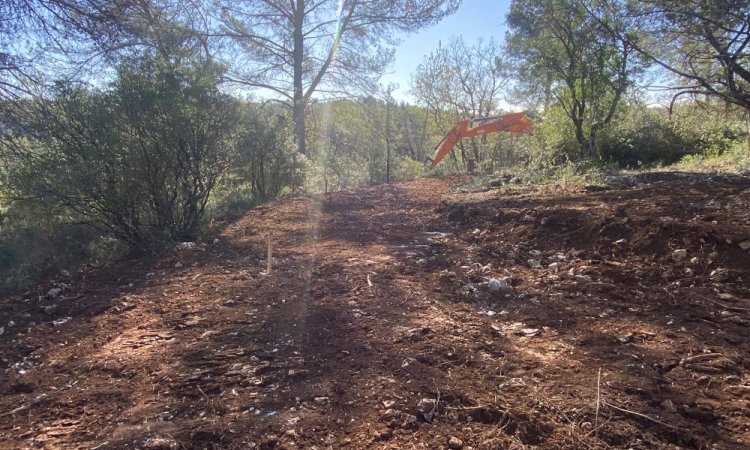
513, 123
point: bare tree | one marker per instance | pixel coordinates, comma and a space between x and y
460, 81
296, 48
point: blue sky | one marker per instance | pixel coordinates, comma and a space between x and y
474, 19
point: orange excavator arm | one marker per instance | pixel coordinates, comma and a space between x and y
513, 123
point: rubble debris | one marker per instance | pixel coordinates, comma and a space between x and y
679, 255
185, 245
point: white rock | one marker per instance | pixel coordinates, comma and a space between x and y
216, 241
185, 245
178, 265
679, 255
293, 421
427, 407
744, 245
668, 405
534, 263
713, 204
495, 284
62, 321
160, 443
54, 292
455, 443
2, 331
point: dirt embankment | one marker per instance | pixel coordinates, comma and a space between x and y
406, 316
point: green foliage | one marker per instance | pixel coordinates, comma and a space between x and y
137, 162
647, 136
710, 129
35, 243
405, 168
459, 81
266, 163
701, 44
351, 141
737, 159
89, 174
641, 137
568, 58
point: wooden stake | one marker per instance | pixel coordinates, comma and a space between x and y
270, 255
598, 398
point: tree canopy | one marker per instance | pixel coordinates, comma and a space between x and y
560, 46
297, 48
704, 44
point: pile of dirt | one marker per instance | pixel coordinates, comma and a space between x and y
406, 316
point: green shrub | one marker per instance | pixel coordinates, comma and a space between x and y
137, 162
405, 168
35, 244
648, 136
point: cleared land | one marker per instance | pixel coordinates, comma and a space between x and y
621, 321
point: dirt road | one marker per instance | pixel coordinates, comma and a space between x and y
407, 316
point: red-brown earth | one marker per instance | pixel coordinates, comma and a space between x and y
621, 321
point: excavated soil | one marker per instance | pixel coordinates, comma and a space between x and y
406, 316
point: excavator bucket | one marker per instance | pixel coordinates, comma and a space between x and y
516, 123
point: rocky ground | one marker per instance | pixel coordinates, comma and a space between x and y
407, 316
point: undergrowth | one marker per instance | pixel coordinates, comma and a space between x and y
736, 160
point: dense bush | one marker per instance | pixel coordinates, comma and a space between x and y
35, 242
137, 162
644, 136
652, 135
267, 164
641, 136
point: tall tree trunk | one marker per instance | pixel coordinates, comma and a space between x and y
299, 115
475, 149
583, 142
298, 54
388, 139
262, 184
